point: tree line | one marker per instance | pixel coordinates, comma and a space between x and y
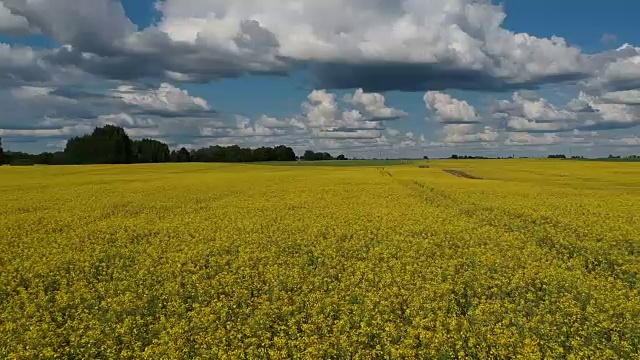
2, 158
111, 145
320, 156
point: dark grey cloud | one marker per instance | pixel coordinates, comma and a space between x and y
152, 55
90, 25
13, 24
608, 125
20, 64
388, 76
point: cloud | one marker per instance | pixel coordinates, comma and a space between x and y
62, 132
525, 139
322, 112
539, 109
606, 115
358, 122
31, 92
246, 128
374, 106
324, 117
174, 115
126, 121
98, 38
89, 25
617, 70
346, 134
460, 120
13, 24
585, 112
164, 112
271, 122
630, 141
629, 97
167, 101
527, 114
449, 110
375, 45
527, 125
462, 134
533, 114
374, 147
382, 45
21, 64
150, 54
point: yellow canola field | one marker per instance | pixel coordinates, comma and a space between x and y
538, 259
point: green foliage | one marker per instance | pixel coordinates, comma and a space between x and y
2, 157
45, 158
181, 156
150, 151
317, 156
106, 145
237, 154
111, 145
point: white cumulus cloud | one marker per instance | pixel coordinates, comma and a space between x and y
166, 98
449, 110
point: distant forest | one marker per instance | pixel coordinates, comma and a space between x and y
111, 145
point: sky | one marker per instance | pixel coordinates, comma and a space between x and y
365, 78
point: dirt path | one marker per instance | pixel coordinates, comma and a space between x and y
462, 174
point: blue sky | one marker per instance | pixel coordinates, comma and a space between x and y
237, 73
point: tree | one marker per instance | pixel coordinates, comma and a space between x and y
309, 155
284, 153
316, 156
111, 145
46, 158
150, 151
2, 158
263, 154
106, 145
183, 155
326, 156
341, 157
236, 153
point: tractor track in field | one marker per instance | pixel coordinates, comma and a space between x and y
542, 236
461, 174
